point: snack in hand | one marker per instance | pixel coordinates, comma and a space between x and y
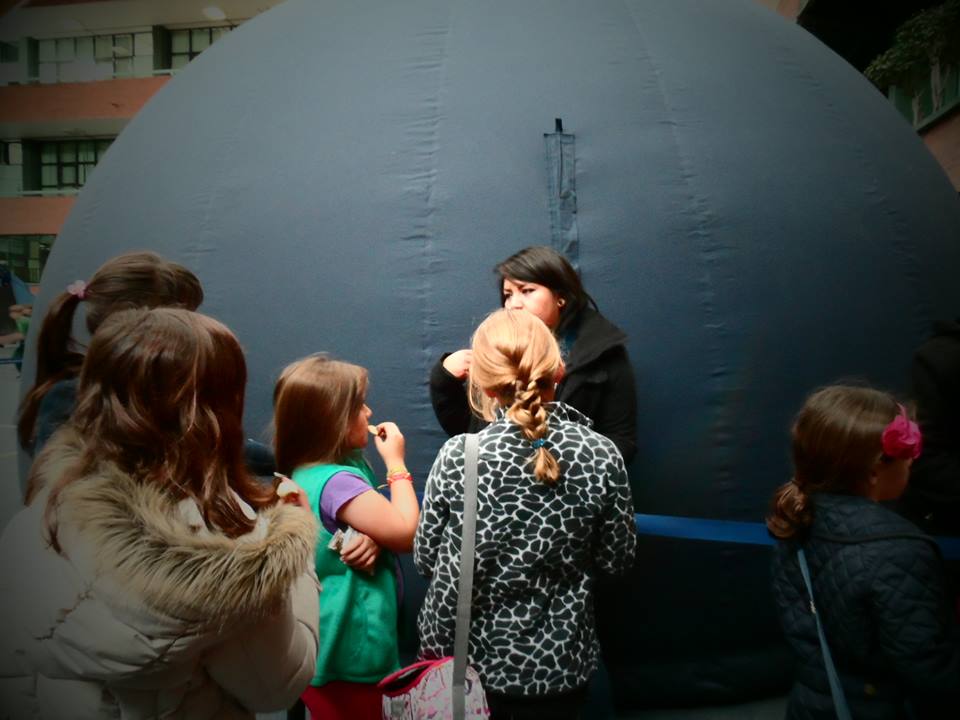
286, 486
341, 539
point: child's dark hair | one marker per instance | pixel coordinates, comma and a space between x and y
132, 280
545, 266
836, 442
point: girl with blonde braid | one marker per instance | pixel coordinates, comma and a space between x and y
553, 511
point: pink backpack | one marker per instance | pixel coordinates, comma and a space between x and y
424, 691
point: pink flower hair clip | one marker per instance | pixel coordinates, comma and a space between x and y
901, 439
78, 289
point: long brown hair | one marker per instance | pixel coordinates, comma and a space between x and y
132, 280
516, 357
161, 397
836, 442
315, 403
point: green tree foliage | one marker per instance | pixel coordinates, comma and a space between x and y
927, 39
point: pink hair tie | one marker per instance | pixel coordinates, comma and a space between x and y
901, 439
78, 289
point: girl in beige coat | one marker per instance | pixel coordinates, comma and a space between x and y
150, 576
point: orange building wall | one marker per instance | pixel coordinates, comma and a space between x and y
943, 139
69, 104
77, 101
33, 215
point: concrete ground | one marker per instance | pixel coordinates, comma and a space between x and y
10, 501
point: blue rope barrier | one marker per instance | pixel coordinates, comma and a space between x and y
731, 531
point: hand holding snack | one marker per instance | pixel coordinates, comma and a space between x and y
361, 553
289, 492
458, 363
390, 444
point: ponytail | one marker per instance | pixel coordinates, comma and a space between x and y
131, 280
791, 513
836, 442
528, 412
57, 360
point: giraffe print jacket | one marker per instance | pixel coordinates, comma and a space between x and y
539, 549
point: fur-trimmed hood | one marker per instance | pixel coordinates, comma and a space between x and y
136, 543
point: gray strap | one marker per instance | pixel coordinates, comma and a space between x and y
839, 700
465, 590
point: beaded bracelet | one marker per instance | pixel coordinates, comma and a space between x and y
395, 476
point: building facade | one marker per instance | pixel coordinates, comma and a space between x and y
910, 50
73, 73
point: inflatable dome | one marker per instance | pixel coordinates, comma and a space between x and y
344, 174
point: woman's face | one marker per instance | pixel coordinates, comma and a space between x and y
536, 299
359, 434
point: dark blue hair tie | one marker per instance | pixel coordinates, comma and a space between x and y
537, 444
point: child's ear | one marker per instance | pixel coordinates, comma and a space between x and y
873, 479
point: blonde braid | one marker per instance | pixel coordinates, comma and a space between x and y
516, 360
528, 412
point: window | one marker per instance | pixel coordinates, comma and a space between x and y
11, 169
26, 255
101, 57
96, 57
130, 55
68, 163
927, 93
185, 45
9, 52
11, 153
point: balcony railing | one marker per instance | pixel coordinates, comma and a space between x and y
6, 192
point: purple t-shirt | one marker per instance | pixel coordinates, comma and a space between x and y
341, 488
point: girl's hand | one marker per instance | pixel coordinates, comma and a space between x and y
390, 444
458, 363
289, 492
361, 554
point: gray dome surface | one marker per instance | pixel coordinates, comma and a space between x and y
343, 175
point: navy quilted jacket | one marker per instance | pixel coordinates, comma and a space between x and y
878, 584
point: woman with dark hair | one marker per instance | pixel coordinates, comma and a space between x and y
132, 280
150, 575
599, 379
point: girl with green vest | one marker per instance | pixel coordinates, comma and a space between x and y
321, 422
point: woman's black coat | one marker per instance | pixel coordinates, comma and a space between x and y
598, 382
